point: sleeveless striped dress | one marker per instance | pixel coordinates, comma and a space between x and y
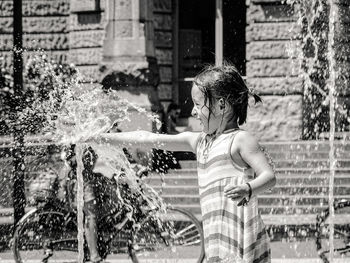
231, 233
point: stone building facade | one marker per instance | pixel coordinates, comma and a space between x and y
150, 49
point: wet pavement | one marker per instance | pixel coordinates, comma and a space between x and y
282, 252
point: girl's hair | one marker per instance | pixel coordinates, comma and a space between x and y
225, 82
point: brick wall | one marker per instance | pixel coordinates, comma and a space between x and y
273, 40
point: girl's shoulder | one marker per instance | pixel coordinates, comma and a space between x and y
244, 139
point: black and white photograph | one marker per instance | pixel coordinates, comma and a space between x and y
174, 131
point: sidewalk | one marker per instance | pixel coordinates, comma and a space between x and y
282, 252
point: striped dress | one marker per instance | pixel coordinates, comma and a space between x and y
231, 233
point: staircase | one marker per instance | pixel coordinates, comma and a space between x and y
302, 171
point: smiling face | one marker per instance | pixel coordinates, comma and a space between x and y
210, 121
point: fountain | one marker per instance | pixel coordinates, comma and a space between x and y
62, 110
95, 112
320, 63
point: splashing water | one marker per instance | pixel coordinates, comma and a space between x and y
71, 113
331, 87
319, 72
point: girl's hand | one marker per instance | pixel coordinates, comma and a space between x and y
236, 192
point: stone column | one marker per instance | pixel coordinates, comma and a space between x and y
129, 63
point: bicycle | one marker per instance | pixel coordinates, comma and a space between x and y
134, 231
341, 232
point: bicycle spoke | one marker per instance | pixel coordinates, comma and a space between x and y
43, 236
341, 232
179, 236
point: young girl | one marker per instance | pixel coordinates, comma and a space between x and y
232, 169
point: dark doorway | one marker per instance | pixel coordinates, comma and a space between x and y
234, 22
196, 41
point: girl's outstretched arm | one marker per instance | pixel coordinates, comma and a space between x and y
248, 152
185, 141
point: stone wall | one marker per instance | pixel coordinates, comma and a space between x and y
342, 54
163, 33
86, 36
273, 39
45, 26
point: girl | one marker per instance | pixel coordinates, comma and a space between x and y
232, 169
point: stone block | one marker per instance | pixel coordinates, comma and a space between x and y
5, 59
86, 56
90, 38
162, 6
36, 24
163, 21
6, 42
165, 74
273, 68
122, 9
164, 56
36, 7
6, 8
162, 39
84, 5
45, 24
278, 118
44, 7
54, 55
165, 91
277, 85
123, 29
86, 21
273, 31
46, 41
269, 13
273, 49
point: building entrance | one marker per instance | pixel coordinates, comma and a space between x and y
198, 22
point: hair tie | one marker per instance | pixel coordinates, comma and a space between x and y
256, 97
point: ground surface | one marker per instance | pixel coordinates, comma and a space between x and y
282, 252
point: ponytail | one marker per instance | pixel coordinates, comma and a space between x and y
256, 97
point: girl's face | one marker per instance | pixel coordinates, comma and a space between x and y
201, 111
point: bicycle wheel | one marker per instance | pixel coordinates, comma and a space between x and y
176, 234
341, 232
45, 236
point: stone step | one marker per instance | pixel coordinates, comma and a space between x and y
311, 163
282, 172
286, 166
267, 210
273, 200
292, 200
279, 190
290, 179
307, 155
311, 146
